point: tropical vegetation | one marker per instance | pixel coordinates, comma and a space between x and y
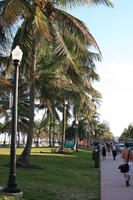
56, 71
127, 134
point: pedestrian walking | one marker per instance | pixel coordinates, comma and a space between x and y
104, 150
108, 147
127, 156
114, 151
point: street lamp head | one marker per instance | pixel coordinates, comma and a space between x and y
17, 54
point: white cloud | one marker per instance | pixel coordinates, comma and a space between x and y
116, 87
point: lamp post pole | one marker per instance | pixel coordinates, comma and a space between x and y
12, 184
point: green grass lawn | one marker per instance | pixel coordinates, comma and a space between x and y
53, 176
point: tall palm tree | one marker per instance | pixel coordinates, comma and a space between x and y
61, 67
43, 17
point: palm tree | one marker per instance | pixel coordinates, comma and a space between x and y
43, 17
61, 84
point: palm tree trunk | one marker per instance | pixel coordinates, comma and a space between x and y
88, 139
50, 130
25, 156
63, 127
39, 131
95, 137
18, 142
76, 133
53, 130
4, 142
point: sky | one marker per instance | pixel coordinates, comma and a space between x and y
113, 30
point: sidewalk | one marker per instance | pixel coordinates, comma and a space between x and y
112, 181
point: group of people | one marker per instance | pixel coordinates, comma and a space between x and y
109, 147
126, 156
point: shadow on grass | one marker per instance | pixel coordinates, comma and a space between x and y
56, 152
31, 166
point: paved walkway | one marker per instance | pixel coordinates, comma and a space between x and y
112, 181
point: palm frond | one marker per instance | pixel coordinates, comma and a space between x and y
89, 73
75, 3
75, 25
5, 84
13, 10
41, 22
60, 46
3, 60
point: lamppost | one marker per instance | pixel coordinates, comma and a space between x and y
12, 184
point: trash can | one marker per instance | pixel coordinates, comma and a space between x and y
96, 155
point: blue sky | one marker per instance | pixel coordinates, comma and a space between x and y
113, 31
